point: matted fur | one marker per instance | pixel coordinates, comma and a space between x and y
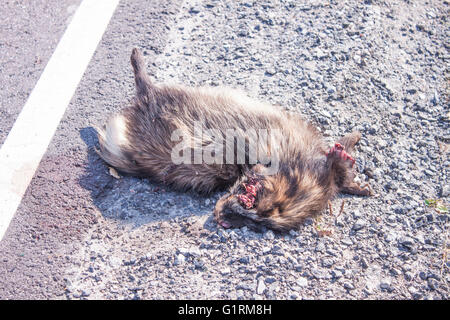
138, 141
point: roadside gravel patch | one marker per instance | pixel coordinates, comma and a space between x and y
374, 66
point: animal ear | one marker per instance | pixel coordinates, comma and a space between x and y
143, 84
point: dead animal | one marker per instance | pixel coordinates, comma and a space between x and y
214, 138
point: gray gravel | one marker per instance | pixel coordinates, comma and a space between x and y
379, 67
29, 33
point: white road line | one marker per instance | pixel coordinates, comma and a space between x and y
36, 124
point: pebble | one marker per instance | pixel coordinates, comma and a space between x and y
433, 284
269, 235
359, 224
320, 274
349, 286
244, 260
327, 262
225, 271
445, 190
302, 282
385, 284
332, 74
85, 293
347, 241
261, 287
337, 274
406, 242
189, 252
179, 259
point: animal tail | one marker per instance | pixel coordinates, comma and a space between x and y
144, 86
114, 144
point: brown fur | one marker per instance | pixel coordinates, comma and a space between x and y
138, 141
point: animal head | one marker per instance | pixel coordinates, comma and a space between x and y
279, 201
299, 189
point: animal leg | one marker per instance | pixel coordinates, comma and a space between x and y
356, 189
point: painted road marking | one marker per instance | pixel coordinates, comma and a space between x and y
36, 124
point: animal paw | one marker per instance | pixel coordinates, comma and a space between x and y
338, 150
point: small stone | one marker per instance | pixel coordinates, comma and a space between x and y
409, 275
199, 264
337, 274
302, 282
385, 284
433, 284
377, 174
225, 271
349, 286
326, 114
179, 259
270, 280
319, 274
435, 99
260, 287
266, 250
423, 275
347, 241
381, 143
394, 272
293, 233
320, 54
115, 262
244, 260
364, 263
357, 214
194, 10
406, 242
327, 262
320, 247
445, 192
412, 290
271, 71
85, 293
233, 235
331, 89
433, 276
269, 235
391, 236
371, 284
195, 252
359, 224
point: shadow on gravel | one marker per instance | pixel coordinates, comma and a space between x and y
137, 201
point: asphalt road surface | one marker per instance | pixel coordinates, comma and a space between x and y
81, 233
